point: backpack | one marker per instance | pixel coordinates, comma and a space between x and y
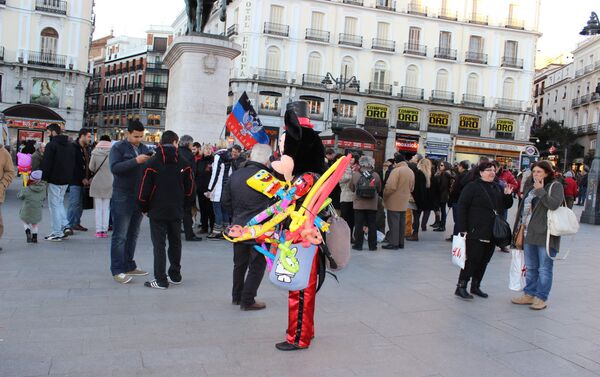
365, 188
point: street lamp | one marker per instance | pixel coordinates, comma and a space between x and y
340, 83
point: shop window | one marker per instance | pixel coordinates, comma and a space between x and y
270, 102
344, 110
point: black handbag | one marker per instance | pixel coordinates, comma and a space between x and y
501, 230
88, 201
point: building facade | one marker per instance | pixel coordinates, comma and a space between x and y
450, 79
129, 82
43, 64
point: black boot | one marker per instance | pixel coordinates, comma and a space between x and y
475, 289
285, 346
34, 238
28, 234
461, 290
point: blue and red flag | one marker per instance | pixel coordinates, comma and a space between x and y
244, 124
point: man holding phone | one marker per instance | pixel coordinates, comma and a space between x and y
127, 159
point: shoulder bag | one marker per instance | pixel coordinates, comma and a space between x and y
561, 222
501, 230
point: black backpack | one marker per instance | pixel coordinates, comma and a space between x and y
365, 188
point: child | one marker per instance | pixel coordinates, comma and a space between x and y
33, 196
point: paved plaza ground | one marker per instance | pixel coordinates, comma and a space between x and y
393, 313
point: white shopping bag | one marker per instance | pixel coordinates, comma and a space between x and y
459, 250
517, 270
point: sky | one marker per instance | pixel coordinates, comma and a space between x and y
560, 21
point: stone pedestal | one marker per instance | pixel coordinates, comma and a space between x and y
199, 68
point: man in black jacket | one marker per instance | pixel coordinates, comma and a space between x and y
81, 175
57, 169
166, 184
185, 152
248, 203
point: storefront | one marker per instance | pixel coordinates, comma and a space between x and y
505, 129
350, 140
438, 121
29, 122
437, 146
471, 149
409, 118
407, 144
469, 125
377, 124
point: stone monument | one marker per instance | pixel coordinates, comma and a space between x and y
199, 68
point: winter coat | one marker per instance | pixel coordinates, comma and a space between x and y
59, 161
36, 161
166, 183
538, 223
203, 173
418, 196
187, 157
102, 183
221, 171
571, 187
239, 199
457, 187
346, 195
443, 181
125, 169
400, 183
82, 159
476, 208
365, 203
33, 198
7, 169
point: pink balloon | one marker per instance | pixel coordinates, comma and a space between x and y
285, 167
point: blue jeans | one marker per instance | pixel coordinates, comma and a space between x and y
221, 215
56, 205
127, 218
538, 278
75, 206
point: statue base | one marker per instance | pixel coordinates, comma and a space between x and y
199, 68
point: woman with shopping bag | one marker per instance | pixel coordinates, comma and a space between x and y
541, 194
479, 205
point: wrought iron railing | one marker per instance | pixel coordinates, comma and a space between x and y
445, 53
473, 99
512, 62
312, 80
380, 88
383, 44
51, 6
442, 96
476, 57
276, 29
272, 75
479, 19
412, 93
317, 35
350, 40
232, 30
416, 8
415, 49
509, 104
46, 59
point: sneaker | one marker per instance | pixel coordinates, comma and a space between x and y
176, 282
214, 236
137, 272
99, 234
67, 232
525, 299
104, 234
80, 228
538, 304
54, 238
154, 284
122, 278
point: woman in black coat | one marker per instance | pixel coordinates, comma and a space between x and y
476, 206
202, 177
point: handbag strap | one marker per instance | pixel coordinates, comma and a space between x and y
99, 167
490, 198
548, 233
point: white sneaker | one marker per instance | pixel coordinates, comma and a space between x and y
122, 278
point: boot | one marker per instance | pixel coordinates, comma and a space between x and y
28, 234
34, 238
475, 289
461, 290
413, 237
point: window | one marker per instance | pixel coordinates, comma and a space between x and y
49, 42
350, 25
314, 64
276, 14
510, 49
270, 102
593, 144
476, 44
316, 21
380, 76
347, 66
105, 102
125, 83
314, 107
273, 58
508, 89
441, 81
345, 110
412, 76
383, 30
414, 35
473, 84
445, 40
474, 8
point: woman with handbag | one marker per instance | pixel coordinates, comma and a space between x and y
541, 194
479, 205
101, 186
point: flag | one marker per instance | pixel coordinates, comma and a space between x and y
245, 125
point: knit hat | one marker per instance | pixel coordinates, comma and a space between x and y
569, 174
35, 175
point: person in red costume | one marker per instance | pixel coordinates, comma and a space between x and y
302, 143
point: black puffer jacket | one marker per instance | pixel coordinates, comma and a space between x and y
187, 157
59, 161
476, 208
248, 202
203, 170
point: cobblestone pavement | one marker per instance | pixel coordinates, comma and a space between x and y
392, 314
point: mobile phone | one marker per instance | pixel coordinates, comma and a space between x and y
150, 154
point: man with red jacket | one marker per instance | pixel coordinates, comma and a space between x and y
571, 190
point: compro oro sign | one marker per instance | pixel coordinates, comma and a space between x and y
377, 115
505, 126
439, 121
469, 124
409, 118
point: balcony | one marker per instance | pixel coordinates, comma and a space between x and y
380, 88
317, 35
385, 5
350, 40
312, 80
415, 49
514, 23
588, 68
476, 57
51, 6
445, 53
589, 129
232, 30
133, 105
46, 59
579, 72
479, 19
272, 75
409, 92
272, 28
383, 45
155, 105
1, 53
442, 96
418, 9
160, 86
358, 3
511, 62
473, 99
155, 67
446, 14
509, 104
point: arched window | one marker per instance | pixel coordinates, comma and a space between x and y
441, 81
380, 74
49, 41
508, 88
273, 58
584, 118
473, 84
314, 64
347, 66
412, 76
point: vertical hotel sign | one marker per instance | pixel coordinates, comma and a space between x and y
246, 39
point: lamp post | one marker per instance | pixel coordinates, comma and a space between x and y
340, 84
591, 212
